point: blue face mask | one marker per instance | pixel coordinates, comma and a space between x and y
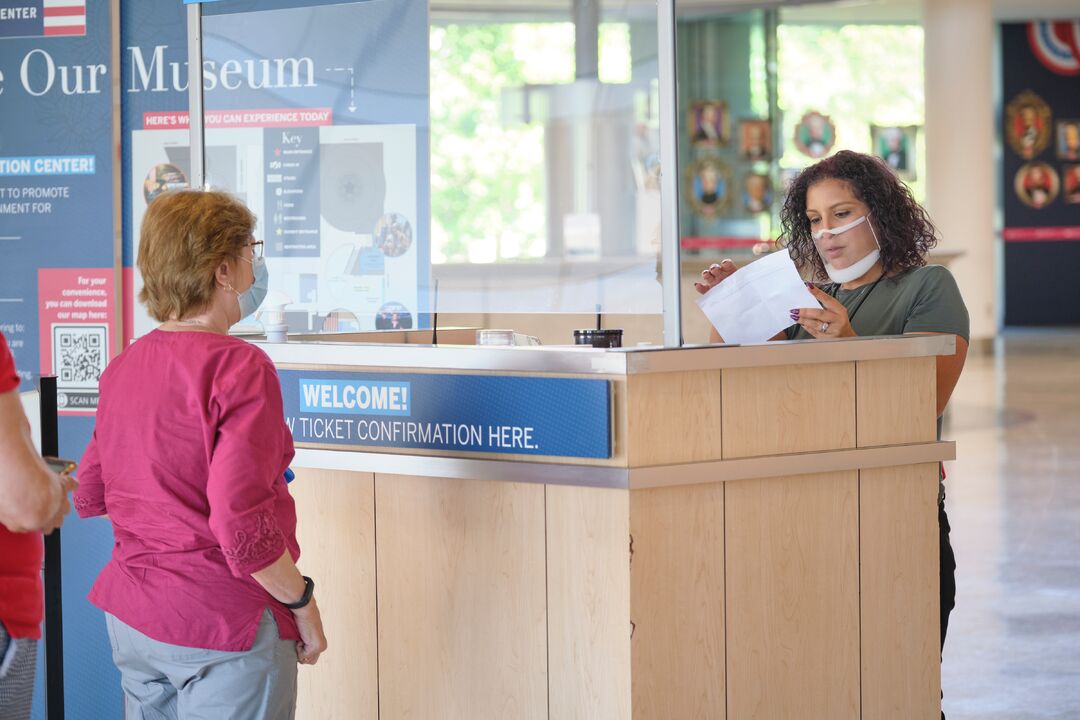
252, 298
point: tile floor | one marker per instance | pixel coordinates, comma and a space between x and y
1013, 651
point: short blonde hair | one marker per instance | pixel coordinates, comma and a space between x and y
185, 235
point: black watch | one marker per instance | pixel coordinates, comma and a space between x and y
309, 591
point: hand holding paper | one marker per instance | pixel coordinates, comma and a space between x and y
755, 303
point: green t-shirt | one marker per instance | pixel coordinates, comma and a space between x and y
919, 300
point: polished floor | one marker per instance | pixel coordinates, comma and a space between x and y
1013, 650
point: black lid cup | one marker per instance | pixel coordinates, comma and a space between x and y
606, 338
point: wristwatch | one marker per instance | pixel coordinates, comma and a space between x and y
309, 591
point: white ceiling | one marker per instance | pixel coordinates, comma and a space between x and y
797, 11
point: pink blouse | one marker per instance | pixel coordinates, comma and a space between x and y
187, 460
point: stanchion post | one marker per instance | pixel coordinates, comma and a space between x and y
54, 599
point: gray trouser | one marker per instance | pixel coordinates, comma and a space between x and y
18, 660
171, 682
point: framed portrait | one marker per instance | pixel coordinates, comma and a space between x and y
1027, 124
1068, 139
896, 146
708, 181
755, 140
757, 195
1071, 183
1036, 184
815, 135
709, 123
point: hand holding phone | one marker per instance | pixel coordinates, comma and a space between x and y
60, 466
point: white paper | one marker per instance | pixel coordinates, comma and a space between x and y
755, 302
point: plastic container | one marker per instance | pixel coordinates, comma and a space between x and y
495, 337
606, 338
276, 332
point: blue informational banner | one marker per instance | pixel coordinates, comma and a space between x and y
58, 291
57, 284
555, 417
323, 133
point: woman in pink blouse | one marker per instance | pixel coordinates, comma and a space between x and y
207, 612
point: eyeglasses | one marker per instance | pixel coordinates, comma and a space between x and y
256, 247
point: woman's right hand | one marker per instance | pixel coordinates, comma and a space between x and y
67, 485
312, 640
714, 275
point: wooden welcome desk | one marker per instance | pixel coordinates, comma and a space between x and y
761, 543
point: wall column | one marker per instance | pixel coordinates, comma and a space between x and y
960, 167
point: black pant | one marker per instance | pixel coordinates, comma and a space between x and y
948, 574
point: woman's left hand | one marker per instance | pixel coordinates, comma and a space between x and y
828, 322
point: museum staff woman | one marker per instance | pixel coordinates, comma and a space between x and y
848, 220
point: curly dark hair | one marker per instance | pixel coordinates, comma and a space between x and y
903, 227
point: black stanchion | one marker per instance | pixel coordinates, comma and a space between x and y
54, 599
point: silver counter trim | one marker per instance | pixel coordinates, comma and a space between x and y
621, 478
625, 361
500, 359
791, 352
463, 468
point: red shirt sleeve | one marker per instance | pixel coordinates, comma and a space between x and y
246, 470
9, 379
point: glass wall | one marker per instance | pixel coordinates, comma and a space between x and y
767, 93
405, 159
873, 110
504, 157
545, 158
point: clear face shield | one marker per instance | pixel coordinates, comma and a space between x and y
857, 269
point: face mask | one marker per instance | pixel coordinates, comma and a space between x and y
855, 270
252, 298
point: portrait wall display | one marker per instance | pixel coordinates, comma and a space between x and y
755, 140
709, 123
1036, 184
708, 185
1068, 139
1028, 124
1039, 120
1071, 182
757, 195
896, 146
815, 135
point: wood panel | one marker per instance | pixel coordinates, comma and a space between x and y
888, 417
901, 641
677, 602
788, 409
793, 598
826, 461
462, 631
335, 513
675, 417
588, 541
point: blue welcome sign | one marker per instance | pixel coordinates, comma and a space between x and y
558, 417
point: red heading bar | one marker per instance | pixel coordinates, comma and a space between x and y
261, 118
1037, 234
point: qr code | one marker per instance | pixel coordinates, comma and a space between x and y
79, 354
